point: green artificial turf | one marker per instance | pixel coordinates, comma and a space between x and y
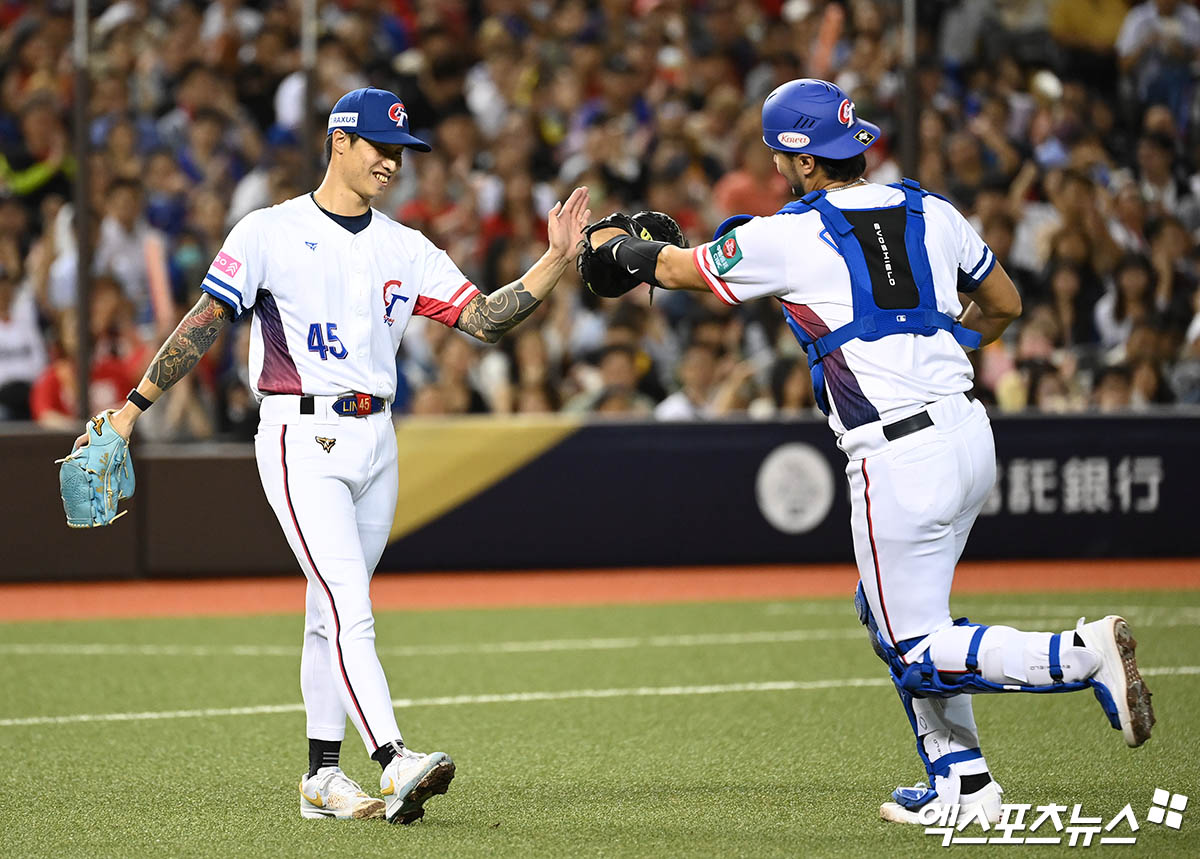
791, 772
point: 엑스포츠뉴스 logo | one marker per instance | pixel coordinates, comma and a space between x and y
397, 114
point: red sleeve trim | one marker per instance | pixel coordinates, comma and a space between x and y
719, 287
446, 312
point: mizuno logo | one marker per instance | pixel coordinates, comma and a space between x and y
312, 246
326, 443
312, 800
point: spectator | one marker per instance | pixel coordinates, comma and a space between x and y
614, 386
1130, 301
1113, 391
697, 384
1157, 44
22, 353
54, 397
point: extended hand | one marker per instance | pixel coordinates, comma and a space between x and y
565, 223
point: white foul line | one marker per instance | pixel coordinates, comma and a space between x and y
538, 646
513, 698
544, 646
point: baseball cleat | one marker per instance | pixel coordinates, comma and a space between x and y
920, 805
410, 780
331, 793
1117, 683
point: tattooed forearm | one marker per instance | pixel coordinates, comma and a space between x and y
190, 340
488, 317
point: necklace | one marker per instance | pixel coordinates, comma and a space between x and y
859, 181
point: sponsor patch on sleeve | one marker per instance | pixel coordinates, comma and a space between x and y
226, 264
726, 253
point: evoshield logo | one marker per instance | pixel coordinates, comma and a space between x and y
887, 256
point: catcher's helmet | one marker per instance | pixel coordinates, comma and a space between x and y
815, 117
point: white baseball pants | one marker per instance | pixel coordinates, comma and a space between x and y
332, 483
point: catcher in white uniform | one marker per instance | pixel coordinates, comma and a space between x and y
333, 284
873, 281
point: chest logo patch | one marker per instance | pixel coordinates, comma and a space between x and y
391, 294
312, 246
726, 253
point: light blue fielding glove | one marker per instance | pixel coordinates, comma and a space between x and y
96, 476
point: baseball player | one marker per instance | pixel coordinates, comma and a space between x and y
884, 286
333, 284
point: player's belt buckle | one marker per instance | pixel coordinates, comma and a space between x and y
355, 405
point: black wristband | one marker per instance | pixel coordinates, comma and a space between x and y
637, 256
138, 400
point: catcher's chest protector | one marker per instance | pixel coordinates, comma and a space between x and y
890, 278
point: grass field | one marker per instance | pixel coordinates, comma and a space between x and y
710, 729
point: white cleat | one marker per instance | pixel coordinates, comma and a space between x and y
410, 780
1112, 641
331, 793
987, 799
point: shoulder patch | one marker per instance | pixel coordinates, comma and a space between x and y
726, 252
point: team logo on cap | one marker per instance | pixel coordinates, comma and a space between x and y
793, 139
398, 115
846, 112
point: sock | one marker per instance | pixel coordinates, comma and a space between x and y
322, 753
387, 752
972, 783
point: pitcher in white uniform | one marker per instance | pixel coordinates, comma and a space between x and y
884, 286
333, 284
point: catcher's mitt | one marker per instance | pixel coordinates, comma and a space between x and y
94, 477
600, 272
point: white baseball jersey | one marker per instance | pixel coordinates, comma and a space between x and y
793, 258
331, 305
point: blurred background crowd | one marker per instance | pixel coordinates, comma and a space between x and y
1065, 129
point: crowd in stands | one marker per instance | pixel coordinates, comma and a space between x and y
1066, 130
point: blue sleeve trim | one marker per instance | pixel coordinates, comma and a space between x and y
970, 282
983, 259
222, 286
221, 296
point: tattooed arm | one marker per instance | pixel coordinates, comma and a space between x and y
488, 317
194, 335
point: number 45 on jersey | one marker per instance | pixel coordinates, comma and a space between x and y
326, 344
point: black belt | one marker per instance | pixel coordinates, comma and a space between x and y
908, 426
351, 405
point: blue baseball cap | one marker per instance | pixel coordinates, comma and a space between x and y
815, 117
376, 115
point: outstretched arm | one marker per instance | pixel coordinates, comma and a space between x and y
674, 268
194, 335
488, 317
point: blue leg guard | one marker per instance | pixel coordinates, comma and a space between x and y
921, 679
